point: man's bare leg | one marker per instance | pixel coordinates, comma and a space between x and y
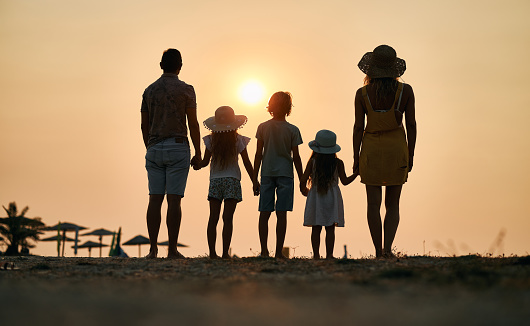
281, 229
174, 216
154, 218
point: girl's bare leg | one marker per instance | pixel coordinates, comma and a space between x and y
211, 232
330, 241
228, 218
374, 197
315, 240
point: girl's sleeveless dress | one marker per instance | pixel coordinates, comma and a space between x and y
324, 210
384, 154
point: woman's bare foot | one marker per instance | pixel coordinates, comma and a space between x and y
264, 254
213, 255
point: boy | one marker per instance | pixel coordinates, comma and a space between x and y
277, 140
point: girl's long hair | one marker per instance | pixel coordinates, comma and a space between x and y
324, 170
224, 149
384, 87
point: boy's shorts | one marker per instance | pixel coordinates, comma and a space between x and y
167, 164
284, 187
225, 188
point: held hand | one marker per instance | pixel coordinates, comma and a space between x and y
196, 161
255, 187
304, 191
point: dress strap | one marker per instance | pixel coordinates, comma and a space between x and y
366, 98
400, 91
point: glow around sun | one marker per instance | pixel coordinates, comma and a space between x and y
251, 92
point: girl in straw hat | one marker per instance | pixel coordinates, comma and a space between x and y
223, 146
383, 153
324, 207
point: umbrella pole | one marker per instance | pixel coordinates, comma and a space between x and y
64, 240
100, 244
89, 252
139, 251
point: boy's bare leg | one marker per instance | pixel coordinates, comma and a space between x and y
315, 240
330, 241
228, 227
263, 229
211, 231
174, 216
154, 218
281, 229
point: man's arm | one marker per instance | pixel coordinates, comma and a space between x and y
195, 134
145, 127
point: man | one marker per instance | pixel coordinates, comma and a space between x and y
166, 104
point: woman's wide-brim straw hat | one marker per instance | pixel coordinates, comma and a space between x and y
382, 62
325, 142
225, 120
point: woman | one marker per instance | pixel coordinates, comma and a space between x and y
383, 153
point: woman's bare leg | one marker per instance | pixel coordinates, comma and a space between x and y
391, 223
374, 198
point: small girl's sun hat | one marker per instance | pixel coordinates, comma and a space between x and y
382, 62
325, 142
225, 120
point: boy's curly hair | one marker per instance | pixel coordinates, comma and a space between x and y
280, 104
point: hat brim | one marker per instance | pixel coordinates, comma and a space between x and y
323, 150
395, 71
237, 123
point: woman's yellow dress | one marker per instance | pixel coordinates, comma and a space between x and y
384, 154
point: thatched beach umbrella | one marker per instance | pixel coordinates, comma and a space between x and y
137, 240
166, 243
56, 238
65, 227
90, 245
100, 233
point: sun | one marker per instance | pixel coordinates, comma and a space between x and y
251, 92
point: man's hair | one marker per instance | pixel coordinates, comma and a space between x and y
280, 104
171, 60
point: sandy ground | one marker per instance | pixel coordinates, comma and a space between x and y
468, 290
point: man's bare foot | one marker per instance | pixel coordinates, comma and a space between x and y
226, 256
316, 257
175, 255
152, 254
214, 256
330, 257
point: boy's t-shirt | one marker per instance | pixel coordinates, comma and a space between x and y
278, 137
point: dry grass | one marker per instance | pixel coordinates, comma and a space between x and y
469, 290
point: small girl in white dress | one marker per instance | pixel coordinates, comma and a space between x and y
324, 205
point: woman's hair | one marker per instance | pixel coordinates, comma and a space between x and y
280, 104
324, 169
224, 149
383, 86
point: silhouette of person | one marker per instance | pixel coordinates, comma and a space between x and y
383, 153
166, 105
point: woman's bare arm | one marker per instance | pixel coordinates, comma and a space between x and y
342, 174
358, 129
410, 123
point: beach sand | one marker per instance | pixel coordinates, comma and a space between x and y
468, 290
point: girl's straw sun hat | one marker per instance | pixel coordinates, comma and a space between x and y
382, 62
225, 120
325, 142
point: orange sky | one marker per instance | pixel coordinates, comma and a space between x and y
73, 73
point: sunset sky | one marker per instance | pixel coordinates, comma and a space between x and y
73, 72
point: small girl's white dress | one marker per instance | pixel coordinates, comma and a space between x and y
324, 210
